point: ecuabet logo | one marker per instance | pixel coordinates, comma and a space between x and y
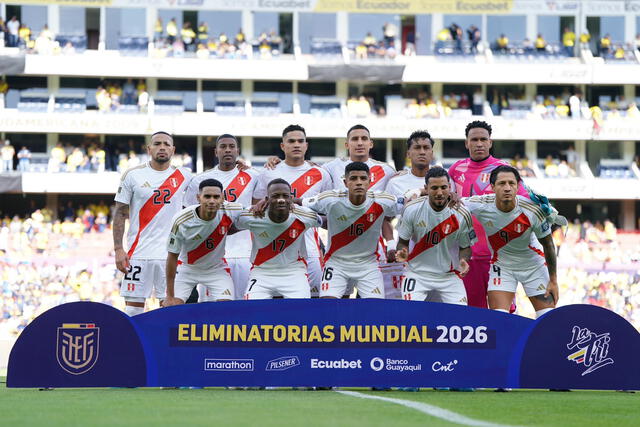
591, 349
77, 348
282, 363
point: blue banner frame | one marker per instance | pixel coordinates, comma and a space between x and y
348, 343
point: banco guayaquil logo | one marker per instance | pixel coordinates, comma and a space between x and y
78, 345
592, 349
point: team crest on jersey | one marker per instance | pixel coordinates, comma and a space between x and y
518, 228
371, 217
293, 233
242, 181
308, 180
484, 177
373, 177
174, 182
223, 229
77, 347
447, 228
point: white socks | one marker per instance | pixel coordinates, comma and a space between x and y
543, 311
133, 310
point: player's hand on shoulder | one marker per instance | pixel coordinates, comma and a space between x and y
454, 200
272, 162
402, 255
122, 260
242, 165
259, 208
464, 267
412, 195
391, 255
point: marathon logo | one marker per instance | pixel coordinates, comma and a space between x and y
283, 363
241, 365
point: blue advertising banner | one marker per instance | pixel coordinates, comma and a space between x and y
382, 343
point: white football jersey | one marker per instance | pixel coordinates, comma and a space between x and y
200, 243
305, 181
278, 245
353, 230
402, 182
380, 173
239, 187
154, 197
437, 237
512, 236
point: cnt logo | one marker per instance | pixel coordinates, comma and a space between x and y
77, 348
591, 349
282, 363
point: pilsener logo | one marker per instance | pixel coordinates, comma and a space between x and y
282, 363
245, 365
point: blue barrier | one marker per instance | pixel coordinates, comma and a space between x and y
381, 343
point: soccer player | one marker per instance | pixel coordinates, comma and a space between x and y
471, 177
420, 153
354, 218
149, 196
522, 249
306, 181
278, 246
197, 237
239, 186
442, 238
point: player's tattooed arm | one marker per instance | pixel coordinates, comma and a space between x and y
402, 250
119, 219
551, 260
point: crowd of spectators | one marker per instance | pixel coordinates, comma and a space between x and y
111, 96
452, 40
427, 106
14, 33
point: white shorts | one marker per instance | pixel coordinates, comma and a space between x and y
240, 268
534, 280
287, 283
367, 278
314, 270
449, 289
144, 277
216, 284
392, 275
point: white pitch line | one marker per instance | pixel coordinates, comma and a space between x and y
425, 408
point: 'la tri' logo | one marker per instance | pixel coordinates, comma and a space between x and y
78, 347
591, 349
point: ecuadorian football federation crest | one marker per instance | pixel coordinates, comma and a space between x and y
174, 182
293, 233
78, 345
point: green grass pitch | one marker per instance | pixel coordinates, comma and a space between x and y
109, 407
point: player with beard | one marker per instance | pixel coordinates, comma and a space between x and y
149, 196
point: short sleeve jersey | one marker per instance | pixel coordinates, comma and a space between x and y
238, 187
437, 237
305, 181
154, 197
471, 178
200, 243
512, 236
380, 173
402, 182
276, 246
354, 230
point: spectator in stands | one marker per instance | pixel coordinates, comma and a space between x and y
103, 99
410, 45
551, 167
47, 33
172, 31
187, 161
188, 37
478, 102
540, 44
143, 101
7, 154
389, 32
370, 43
456, 36
572, 157
24, 37
574, 106
527, 46
203, 33
75, 160
632, 111
444, 35
157, 32
44, 44
57, 158
604, 49
473, 33
3, 32
68, 49
129, 92
568, 41
585, 38
619, 52
563, 169
13, 26
502, 43
24, 158
4, 86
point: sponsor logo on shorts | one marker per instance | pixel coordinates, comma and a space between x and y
591, 349
336, 364
439, 366
283, 363
242, 365
400, 365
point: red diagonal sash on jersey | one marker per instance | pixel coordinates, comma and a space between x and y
149, 210
237, 184
216, 237
280, 243
376, 173
346, 236
305, 182
513, 230
429, 240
